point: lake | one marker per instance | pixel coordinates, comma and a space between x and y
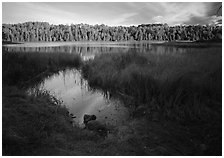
70, 87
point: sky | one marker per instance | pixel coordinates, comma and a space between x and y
112, 13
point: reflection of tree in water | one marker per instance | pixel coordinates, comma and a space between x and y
78, 80
168, 50
88, 51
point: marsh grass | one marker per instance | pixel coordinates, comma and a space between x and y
24, 69
184, 87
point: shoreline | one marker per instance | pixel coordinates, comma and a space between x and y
114, 43
81, 43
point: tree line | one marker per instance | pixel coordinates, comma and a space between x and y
43, 31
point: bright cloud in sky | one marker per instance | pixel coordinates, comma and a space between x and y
113, 13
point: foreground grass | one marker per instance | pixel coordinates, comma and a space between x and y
182, 88
35, 125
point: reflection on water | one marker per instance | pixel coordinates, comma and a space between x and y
74, 91
88, 51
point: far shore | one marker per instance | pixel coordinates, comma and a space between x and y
111, 43
55, 44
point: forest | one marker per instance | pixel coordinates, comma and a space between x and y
43, 31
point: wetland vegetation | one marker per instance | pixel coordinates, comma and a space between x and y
174, 95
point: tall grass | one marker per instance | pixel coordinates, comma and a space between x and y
182, 87
24, 68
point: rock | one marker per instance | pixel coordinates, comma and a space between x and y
88, 118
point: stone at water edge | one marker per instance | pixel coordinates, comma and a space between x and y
88, 118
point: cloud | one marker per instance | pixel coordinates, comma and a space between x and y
191, 13
158, 18
23, 12
180, 12
205, 20
122, 19
112, 13
214, 8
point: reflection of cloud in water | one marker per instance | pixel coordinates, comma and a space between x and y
73, 90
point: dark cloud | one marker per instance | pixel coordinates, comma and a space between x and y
214, 8
204, 20
144, 13
197, 20
213, 14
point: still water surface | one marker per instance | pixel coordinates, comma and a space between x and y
73, 90
89, 51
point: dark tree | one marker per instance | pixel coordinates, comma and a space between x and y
43, 31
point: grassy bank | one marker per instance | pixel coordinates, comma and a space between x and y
24, 69
182, 88
36, 124
192, 44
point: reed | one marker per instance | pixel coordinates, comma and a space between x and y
182, 87
24, 69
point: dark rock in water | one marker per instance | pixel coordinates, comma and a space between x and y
88, 118
105, 117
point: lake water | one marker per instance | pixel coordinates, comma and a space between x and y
70, 87
88, 51
73, 90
